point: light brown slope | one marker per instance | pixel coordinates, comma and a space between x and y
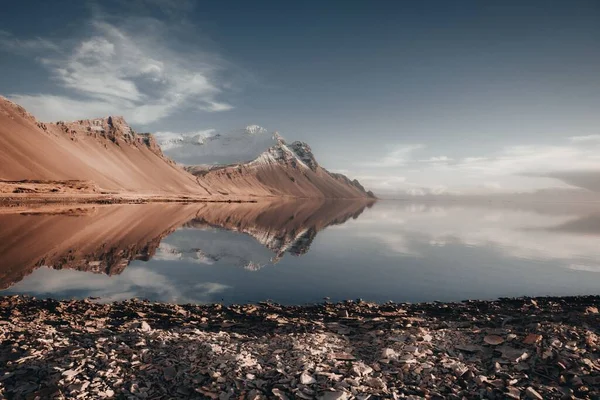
278, 173
278, 180
100, 239
101, 151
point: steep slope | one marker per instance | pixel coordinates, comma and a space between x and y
281, 170
104, 151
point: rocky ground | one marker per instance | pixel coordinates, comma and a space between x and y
542, 348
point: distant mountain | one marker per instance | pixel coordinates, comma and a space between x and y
211, 148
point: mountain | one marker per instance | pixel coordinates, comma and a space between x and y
104, 152
102, 157
266, 165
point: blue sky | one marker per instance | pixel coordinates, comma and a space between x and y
408, 96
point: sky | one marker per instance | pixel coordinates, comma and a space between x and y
410, 97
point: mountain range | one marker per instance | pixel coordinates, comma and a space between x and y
105, 158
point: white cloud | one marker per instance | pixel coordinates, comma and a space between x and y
135, 281
585, 139
13, 44
397, 157
519, 168
131, 70
518, 233
586, 268
439, 159
173, 140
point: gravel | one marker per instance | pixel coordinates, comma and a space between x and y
525, 348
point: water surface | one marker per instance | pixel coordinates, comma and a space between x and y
302, 252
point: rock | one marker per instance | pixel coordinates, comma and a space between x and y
169, 373
493, 340
343, 313
145, 327
481, 379
343, 356
389, 353
361, 369
307, 379
279, 394
533, 394
334, 395
513, 393
469, 348
591, 310
376, 383
532, 338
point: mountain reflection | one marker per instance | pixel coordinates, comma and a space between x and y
301, 251
106, 239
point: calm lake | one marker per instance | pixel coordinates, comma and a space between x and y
302, 252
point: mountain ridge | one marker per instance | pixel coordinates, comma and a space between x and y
105, 156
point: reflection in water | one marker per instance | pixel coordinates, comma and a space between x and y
227, 252
106, 239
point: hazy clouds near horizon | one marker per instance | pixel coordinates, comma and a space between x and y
410, 98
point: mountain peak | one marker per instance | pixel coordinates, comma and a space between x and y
254, 130
304, 153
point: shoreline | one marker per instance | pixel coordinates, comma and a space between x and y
16, 201
534, 348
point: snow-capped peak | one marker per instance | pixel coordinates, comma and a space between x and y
212, 148
254, 129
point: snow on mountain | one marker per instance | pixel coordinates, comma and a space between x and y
172, 140
211, 148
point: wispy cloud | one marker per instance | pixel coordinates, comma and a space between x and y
518, 168
585, 139
123, 67
437, 159
397, 157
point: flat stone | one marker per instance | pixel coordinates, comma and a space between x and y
533, 394
307, 379
335, 395
493, 340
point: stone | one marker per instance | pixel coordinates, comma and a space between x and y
531, 393
169, 373
513, 393
334, 395
279, 394
344, 356
493, 340
307, 379
532, 338
389, 353
376, 383
361, 369
145, 327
